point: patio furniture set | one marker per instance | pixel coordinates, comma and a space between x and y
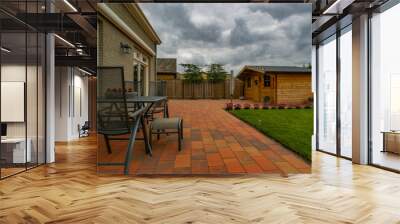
120, 115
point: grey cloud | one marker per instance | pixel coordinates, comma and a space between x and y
241, 34
281, 11
176, 16
232, 41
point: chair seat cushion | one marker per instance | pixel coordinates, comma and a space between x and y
166, 123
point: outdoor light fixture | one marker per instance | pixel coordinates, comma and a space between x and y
65, 41
125, 48
79, 51
5, 50
70, 5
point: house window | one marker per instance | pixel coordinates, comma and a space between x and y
267, 80
248, 82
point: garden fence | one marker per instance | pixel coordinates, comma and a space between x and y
181, 89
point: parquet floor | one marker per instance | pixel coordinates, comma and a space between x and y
215, 142
70, 191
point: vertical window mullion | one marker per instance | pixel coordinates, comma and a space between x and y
26, 86
338, 80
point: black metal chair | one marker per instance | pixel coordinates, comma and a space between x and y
113, 118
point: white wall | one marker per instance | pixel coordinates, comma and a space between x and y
33, 126
70, 83
15, 73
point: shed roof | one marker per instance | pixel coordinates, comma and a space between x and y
166, 65
276, 69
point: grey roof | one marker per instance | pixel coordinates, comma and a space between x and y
280, 69
166, 65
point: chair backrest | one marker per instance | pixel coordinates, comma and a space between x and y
112, 113
86, 125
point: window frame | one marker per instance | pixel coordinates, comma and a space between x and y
269, 80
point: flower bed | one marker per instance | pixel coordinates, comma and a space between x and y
265, 106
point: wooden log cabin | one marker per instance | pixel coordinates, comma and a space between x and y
280, 84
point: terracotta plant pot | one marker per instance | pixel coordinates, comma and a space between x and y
229, 106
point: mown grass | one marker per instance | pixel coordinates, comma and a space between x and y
292, 128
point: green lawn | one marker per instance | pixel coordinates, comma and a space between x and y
291, 127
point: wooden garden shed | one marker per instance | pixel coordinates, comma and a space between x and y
276, 84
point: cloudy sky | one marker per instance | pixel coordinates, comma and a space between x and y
233, 34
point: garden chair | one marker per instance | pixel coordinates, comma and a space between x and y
114, 121
167, 126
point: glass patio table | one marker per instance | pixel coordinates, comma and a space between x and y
139, 101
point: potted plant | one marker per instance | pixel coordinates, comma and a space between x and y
229, 106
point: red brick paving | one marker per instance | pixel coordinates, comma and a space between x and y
215, 142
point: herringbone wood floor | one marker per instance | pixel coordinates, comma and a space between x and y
70, 191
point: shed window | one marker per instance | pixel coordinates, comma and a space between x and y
267, 80
248, 82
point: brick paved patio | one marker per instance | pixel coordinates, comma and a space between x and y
215, 142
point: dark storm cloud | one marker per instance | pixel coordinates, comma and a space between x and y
241, 34
176, 18
281, 11
233, 34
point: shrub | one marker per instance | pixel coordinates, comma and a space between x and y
246, 106
265, 106
311, 99
256, 106
281, 106
238, 106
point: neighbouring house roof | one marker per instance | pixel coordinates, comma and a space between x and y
166, 65
275, 69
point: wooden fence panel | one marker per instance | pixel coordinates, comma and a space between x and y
179, 89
